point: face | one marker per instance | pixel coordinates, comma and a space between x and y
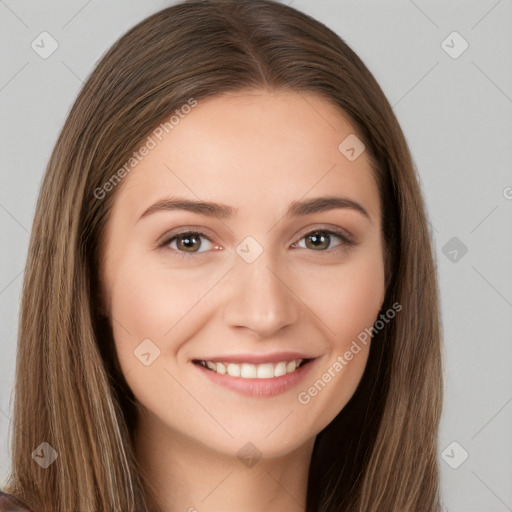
271, 283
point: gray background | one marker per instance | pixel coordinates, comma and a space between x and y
457, 116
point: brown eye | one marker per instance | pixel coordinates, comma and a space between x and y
188, 242
318, 240
321, 240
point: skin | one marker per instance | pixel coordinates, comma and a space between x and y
256, 151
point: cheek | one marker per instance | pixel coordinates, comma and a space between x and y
147, 304
346, 297
153, 312
348, 302
152, 301
358, 298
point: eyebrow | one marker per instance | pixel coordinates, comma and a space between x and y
222, 211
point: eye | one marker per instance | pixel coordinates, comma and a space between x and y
188, 242
321, 239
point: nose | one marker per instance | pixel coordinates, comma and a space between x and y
260, 298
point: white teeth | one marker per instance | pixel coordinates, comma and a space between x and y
280, 369
291, 366
234, 370
265, 371
248, 371
254, 371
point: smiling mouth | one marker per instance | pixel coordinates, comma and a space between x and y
253, 371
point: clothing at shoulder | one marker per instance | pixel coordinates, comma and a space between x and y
8, 503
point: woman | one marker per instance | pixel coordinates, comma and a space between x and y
291, 362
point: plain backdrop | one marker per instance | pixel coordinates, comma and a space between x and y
452, 94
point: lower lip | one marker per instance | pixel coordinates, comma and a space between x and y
259, 387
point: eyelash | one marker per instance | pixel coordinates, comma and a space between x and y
346, 240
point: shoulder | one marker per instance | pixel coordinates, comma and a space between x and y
8, 503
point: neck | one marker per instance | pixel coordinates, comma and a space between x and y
189, 476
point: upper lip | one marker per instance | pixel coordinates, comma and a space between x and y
274, 357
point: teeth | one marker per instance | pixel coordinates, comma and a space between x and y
248, 371
234, 370
280, 369
254, 371
290, 367
265, 371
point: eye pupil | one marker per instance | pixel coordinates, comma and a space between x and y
319, 240
188, 241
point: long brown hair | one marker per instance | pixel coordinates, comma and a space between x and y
380, 452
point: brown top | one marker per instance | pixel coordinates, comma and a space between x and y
8, 503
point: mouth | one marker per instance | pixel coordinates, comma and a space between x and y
257, 378
253, 371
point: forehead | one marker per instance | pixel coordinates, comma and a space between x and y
253, 149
